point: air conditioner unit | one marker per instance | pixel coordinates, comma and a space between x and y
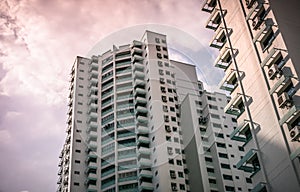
168, 129
256, 22
295, 133
284, 100
274, 71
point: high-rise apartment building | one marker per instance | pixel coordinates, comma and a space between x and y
211, 155
124, 124
259, 52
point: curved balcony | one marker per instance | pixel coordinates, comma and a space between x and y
146, 186
139, 83
137, 58
92, 126
146, 174
140, 92
141, 100
93, 66
138, 66
142, 129
141, 109
235, 106
139, 75
142, 119
144, 151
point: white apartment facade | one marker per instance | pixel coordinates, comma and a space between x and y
210, 153
259, 52
123, 128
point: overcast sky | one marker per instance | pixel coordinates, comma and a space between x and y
39, 40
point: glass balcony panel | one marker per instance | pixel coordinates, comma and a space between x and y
230, 82
145, 173
209, 5
219, 39
235, 106
224, 59
249, 163
146, 186
142, 129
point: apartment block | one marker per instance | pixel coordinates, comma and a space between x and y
124, 129
258, 51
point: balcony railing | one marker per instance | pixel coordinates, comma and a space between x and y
242, 133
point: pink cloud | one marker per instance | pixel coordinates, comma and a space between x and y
39, 41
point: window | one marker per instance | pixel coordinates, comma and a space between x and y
78, 151
79, 103
164, 98
159, 63
78, 140
172, 109
225, 166
241, 148
215, 116
164, 48
167, 64
159, 55
248, 180
168, 138
173, 119
171, 161
157, 40
174, 129
166, 118
76, 183
229, 188
213, 107
161, 72
176, 140
179, 162
211, 98
163, 89
177, 151
208, 159
213, 181
172, 174
80, 94
227, 177
222, 145
210, 170
170, 150
81, 78
220, 135
158, 48
80, 86
174, 186
223, 155
181, 186
79, 112
76, 172
217, 125
78, 130
77, 161
171, 99
166, 56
